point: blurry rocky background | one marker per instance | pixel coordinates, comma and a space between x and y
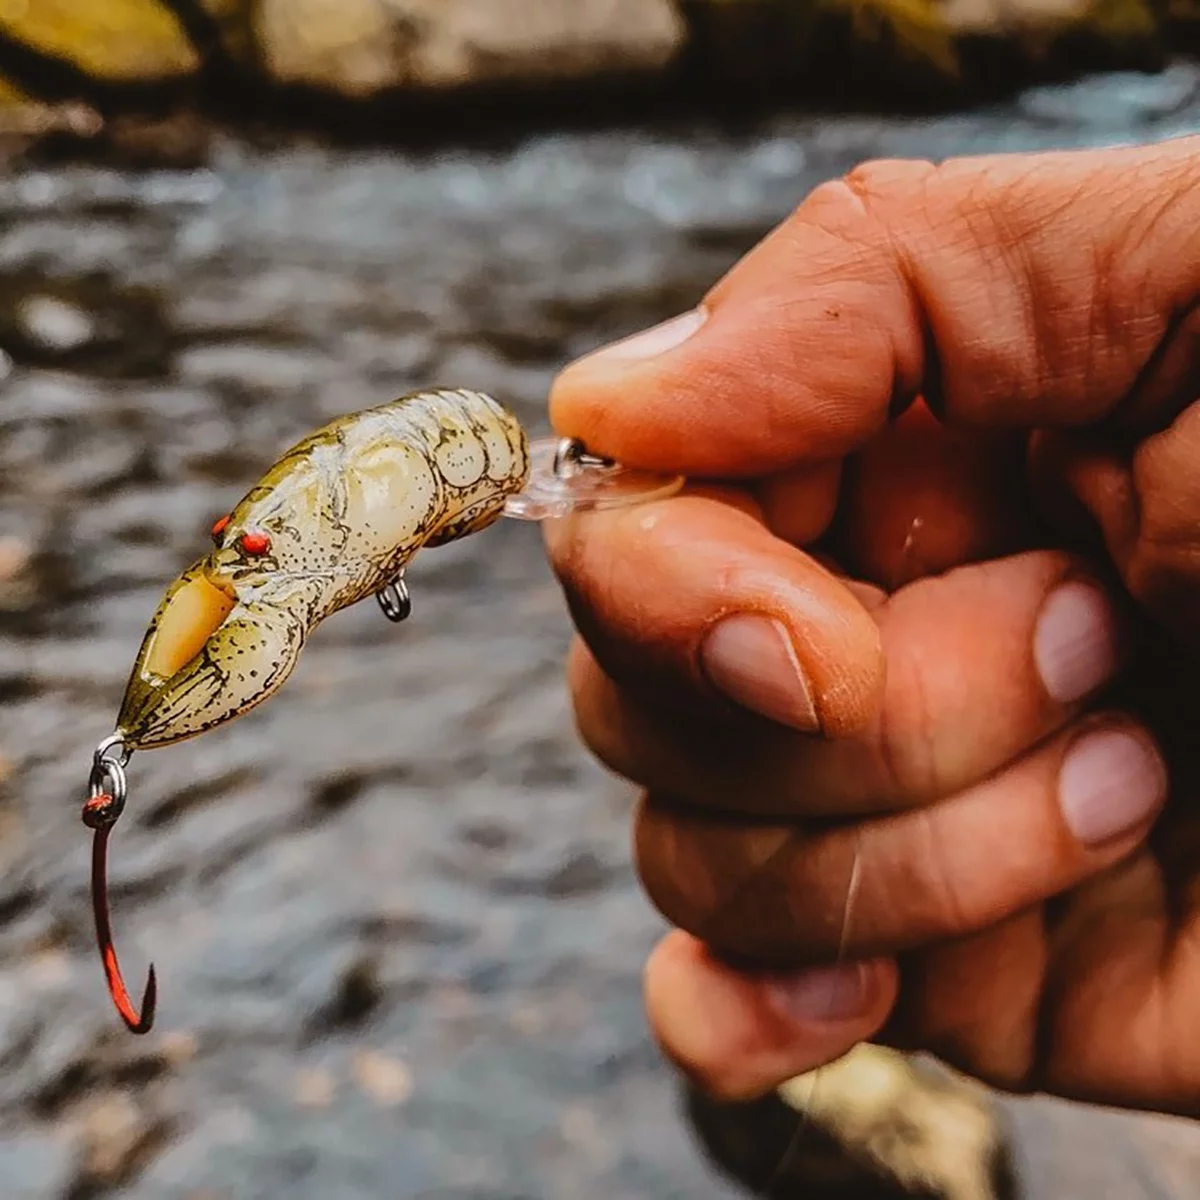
398, 935
247, 59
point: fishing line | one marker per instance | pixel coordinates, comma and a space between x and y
792, 1149
806, 1118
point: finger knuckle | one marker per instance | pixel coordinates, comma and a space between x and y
672, 868
877, 182
596, 708
721, 880
946, 900
1163, 569
871, 203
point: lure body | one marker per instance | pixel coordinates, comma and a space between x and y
335, 520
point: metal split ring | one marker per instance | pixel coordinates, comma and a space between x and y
108, 785
394, 600
572, 455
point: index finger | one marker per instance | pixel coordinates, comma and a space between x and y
1009, 290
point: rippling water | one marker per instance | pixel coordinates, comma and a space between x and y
398, 935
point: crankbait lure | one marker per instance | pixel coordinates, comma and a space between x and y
335, 520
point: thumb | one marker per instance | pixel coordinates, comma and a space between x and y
1009, 291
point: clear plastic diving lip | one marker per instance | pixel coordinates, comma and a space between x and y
565, 479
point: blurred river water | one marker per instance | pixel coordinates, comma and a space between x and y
398, 935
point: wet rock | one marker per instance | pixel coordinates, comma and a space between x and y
581, 875
412, 930
874, 1125
54, 326
117, 41
178, 1047
388, 1081
932, 1131
22, 117
314, 1088
118, 1138
16, 574
331, 796
83, 1075
178, 142
488, 836
997, 16
1036, 24
358, 995
112, 1130
1136, 25
196, 795
357, 47
88, 324
352, 47
34, 574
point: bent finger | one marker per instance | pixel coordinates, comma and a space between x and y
773, 893
1144, 500
657, 591
981, 664
739, 1034
923, 497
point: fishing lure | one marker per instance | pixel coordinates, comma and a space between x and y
335, 520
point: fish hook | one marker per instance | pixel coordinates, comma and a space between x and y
101, 811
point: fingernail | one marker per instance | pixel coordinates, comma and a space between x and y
1075, 641
820, 994
652, 342
752, 660
1111, 781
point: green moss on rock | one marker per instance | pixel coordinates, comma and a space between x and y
840, 51
117, 41
914, 29
1121, 21
11, 96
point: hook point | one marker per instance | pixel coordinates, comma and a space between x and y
144, 1022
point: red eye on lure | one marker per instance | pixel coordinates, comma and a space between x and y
255, 544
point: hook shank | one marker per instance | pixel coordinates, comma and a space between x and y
135, 1022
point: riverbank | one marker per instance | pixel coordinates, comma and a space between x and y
147, 77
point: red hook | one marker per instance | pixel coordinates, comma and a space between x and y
100, 813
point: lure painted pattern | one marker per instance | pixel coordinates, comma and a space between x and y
335, 520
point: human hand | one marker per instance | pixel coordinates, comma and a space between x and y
908, 794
